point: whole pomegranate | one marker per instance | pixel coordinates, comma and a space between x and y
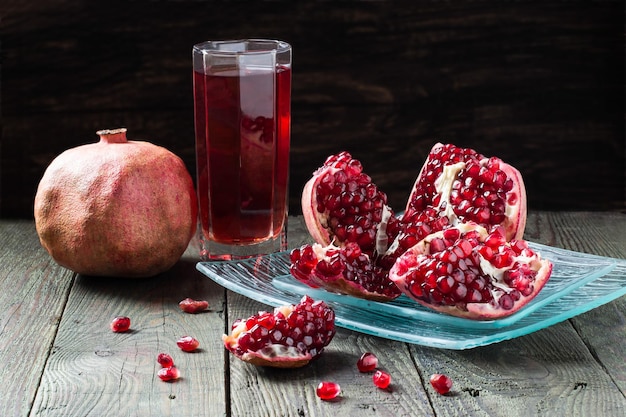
116, 207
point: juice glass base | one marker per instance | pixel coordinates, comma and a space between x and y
215, 251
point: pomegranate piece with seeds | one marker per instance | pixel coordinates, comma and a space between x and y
347, 216
328, 390
188, 343
343, 270
467, 272
465, 186
381, 379
340, 203
120, 324
367, 362
289, 337
344, 209
459, 185
441, 383
189, 305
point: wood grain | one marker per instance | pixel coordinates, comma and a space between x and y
539, 85
271, 392
95, 372
549, 372
275, 393
554, 371
54, 334
602, 329
33, 293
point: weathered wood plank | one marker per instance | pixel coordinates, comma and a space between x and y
291, 393
33, 292
563, 370
551, 372
95, 372
547, 373
276, 393
604, 329
556, 371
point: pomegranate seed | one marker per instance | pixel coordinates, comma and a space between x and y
267, 320
381, 379
328, 390
367, 362
165, 360
120, 324
188, 343
189, 305
441, 383
169, 374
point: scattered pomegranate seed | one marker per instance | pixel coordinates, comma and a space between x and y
165, 360
328, 390
169, 374
381, 379
189, 305
367, 362
120, 324
188, 343
441, 383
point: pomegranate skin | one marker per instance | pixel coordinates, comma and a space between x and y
116, 208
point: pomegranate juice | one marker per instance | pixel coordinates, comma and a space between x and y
243, 126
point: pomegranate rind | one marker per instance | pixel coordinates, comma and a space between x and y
191, 306
470, 310
275, 356
314, 220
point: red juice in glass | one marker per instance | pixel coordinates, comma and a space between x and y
243, 121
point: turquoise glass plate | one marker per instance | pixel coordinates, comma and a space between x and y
579, 283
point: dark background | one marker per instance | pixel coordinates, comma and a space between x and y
539, 84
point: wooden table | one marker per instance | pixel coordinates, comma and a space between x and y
59, 358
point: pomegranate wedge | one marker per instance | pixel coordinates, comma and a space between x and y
290, 337
342, 270
467, 272
347, 216
459, 185
465, 186
341, 204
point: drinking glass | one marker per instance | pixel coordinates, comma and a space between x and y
242, 98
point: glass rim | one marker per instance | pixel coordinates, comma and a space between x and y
213, 46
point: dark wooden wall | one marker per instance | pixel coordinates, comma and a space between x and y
540, 84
